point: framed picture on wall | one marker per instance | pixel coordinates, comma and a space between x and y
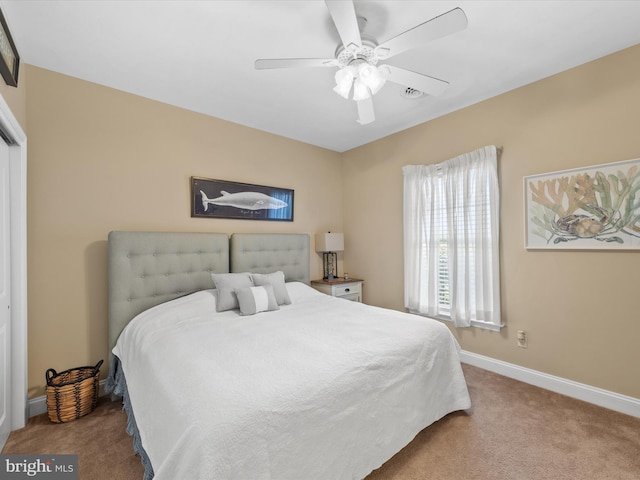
9, 58
591, 208
223, 199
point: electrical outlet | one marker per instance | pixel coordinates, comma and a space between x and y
522, 339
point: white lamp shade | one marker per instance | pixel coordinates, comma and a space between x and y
329, 242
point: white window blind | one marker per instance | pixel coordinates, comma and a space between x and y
444, 297
451, 215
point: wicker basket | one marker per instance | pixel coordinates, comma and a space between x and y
73, 393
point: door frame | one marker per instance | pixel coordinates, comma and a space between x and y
18, 211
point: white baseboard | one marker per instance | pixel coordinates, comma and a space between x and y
38, 405
586, 393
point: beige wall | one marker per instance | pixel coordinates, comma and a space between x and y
580, 309
102, 160
16, 97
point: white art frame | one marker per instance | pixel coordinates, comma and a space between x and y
590, 208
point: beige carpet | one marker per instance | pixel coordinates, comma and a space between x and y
513, 432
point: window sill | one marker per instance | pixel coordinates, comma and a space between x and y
474, 323
487, 326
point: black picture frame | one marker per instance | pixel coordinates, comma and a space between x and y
9, 58
211, 198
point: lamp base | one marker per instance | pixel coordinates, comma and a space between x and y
330, 265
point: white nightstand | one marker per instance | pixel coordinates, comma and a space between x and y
348, 289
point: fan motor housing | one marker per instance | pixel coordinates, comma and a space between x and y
366, 52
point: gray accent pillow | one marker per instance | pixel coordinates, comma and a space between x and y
227, 284
276, 280
253, 300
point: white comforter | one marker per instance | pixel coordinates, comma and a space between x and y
322, 389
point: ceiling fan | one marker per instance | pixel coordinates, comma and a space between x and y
358, 55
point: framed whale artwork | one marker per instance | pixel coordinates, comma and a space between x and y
212, 198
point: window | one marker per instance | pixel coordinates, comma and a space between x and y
451, 249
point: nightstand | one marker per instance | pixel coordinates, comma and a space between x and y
348, 289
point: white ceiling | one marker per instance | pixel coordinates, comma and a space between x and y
200, 55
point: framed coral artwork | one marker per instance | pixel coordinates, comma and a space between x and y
592, 208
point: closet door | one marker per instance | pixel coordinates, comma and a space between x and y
5, 294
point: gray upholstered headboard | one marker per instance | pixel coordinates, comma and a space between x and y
148, 268
270, 252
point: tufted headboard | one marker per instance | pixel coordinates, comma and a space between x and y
269, 252
148, 268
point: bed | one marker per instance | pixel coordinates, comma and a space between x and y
287, 384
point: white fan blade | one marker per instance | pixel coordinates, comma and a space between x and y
344, 17
441, 26
418, 81
365, 111
267, 63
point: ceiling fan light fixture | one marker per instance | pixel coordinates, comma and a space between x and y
344, 79
358, 54
342, 90
360, 90
366, 79
371, 77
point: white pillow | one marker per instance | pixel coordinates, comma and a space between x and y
256, 299
276, 280
226, 284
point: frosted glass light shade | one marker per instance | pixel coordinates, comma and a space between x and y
366, 80
360, 90
344, 79
371, 77
329, 242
